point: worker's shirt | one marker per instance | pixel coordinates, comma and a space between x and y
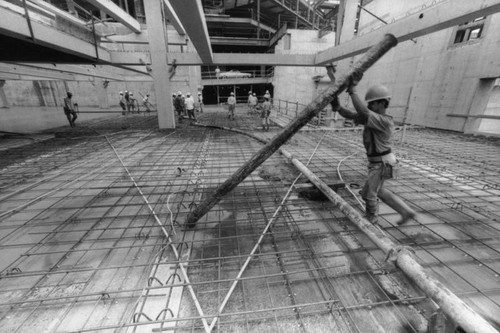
178, 103
122, 99
252, 100
68, 104
377, 135
266, 109
189, 102
231, 100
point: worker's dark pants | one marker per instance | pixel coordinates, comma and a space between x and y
191, 114
71, 115
179, 113
373, 190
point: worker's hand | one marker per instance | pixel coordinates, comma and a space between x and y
353, 81
335, 104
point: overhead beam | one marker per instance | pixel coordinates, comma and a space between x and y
40, 73
191, 15
239, 20
193, 59
431, 19
173, 19
239, 41
62, 14
113, 10
84, 70
14, 24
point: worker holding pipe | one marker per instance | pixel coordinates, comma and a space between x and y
377, 139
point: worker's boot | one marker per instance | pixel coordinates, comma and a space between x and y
371, 211
398, 205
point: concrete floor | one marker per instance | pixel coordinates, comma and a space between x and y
85, 213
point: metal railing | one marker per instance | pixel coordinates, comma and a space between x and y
254, 73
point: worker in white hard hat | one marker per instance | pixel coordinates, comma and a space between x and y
179, 105
252, 103
123, 102
377, 139
231, 105
267, 95
189, 103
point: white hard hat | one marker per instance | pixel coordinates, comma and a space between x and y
179, 93
376, 93
199, 93
232, 93
121, 92
188, 94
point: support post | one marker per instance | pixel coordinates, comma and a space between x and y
319, 103
159, 62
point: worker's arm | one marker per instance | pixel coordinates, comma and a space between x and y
346, 113
359, 105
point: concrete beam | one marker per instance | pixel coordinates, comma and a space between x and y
173, 19
40, 73
192, 17
431, 19
173, 38
62, 14
113, 10
240, 20
83, 70
14, 24
193, 59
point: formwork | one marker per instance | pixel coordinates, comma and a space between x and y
92, 236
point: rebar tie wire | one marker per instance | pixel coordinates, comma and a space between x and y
263, 234
170, 241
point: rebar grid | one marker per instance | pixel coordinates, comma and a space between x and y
89, 257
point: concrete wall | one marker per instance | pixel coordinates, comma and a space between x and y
436, 77
297, 84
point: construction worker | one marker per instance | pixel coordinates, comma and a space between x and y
264, 114
267, 95
377, 139
123, 102
69, 109
131, 102
253, 102
231, 105
179, 105
127, 100
145, 102
217, 72
189, 103
248, 102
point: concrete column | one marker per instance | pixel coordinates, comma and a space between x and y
159, 64
3, 97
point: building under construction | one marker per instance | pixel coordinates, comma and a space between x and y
142, 220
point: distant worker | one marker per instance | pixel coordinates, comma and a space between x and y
189, 103
131, 102
217, 72
145, 102
231, 105
123, 102
248, 102
69, 109
264, 114
200, 103
377, 139
267, 95
179, 105
127, 100
252, 103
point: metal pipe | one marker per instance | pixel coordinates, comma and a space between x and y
453, 306
319, 103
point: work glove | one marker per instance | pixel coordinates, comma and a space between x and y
353, 81
335, 104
